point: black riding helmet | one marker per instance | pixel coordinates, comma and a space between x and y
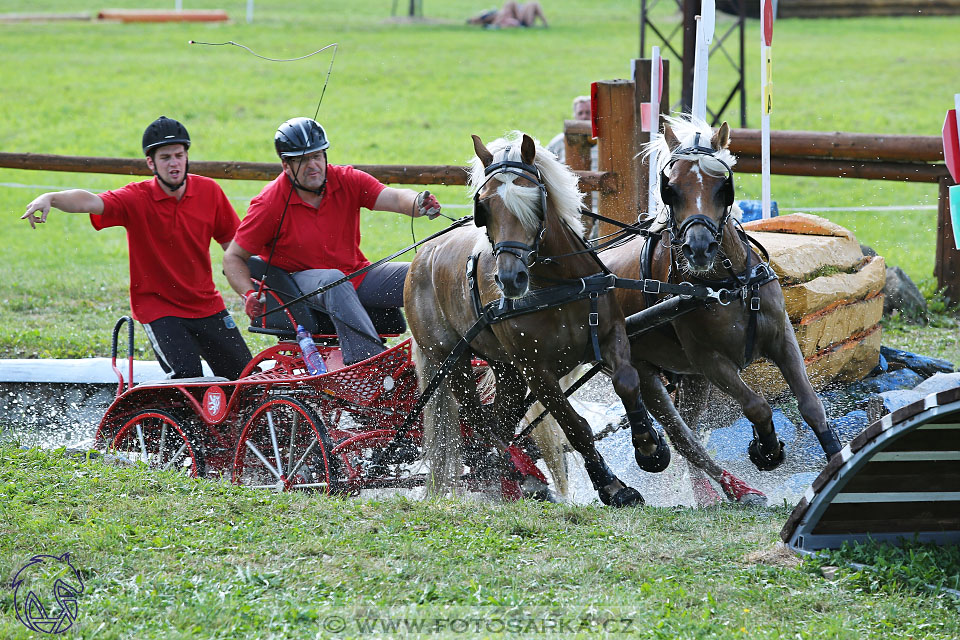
298, 137
164, 131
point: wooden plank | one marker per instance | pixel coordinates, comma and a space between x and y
833, 168
839, 144
915, 456
158, 15
889, 517
389, 174
907, 475
45, 17
873, 497
917, 440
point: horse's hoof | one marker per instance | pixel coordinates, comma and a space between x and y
739, 491
660, 459
625, 497
766, 461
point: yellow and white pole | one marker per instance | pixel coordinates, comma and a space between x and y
766, 84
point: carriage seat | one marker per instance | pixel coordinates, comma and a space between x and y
281, 287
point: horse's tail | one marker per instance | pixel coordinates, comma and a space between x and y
552, 443
441, 428
547, 435
550, 439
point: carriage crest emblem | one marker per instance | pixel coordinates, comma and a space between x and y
214, 404
45, 593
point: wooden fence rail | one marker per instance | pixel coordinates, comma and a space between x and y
867, 156
389, 174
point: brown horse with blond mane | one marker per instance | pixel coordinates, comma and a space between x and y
524, 265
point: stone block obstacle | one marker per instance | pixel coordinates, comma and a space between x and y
833, 297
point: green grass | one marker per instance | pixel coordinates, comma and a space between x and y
165, 557
912, 565
400, 93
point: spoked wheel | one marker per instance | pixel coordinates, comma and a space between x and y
376, 460
160, 440
284, 446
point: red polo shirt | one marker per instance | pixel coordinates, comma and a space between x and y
327, 237
169, 245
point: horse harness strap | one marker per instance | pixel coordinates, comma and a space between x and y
567, 290
504, 309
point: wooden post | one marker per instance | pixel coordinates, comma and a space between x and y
641, 82
616, 150
691, 9
577, 144
947, 267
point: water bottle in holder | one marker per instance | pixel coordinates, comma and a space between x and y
311, 356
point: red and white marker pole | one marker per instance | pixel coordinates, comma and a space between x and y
766, 84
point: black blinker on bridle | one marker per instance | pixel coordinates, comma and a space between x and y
707, 160
481, 210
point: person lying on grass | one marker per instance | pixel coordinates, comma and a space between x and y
511, 15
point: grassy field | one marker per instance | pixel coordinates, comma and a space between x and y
164, 557
400, 93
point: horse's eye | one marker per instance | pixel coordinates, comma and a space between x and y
667, 193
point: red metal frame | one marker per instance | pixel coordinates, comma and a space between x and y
361, 406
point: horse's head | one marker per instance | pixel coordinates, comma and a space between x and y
696, 184
510, 200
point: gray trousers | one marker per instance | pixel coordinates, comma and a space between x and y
382, 287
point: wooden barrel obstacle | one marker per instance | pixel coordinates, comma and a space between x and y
898, 479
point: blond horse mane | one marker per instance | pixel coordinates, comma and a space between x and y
685, 127
562, 184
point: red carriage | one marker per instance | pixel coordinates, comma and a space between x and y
278, 426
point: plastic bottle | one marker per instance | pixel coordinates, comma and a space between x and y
311, 356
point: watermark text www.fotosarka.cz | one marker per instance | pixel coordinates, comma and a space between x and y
474, 622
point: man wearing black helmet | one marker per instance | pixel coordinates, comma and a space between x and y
170, 221
307, 222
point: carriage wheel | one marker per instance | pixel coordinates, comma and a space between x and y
375, 460
161, 441
284, 446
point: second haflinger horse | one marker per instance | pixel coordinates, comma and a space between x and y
697, 240
524, 268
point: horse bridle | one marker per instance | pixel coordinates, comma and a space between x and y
524, 252
709, 163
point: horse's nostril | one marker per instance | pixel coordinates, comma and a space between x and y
522, 280
687, 252
712, 248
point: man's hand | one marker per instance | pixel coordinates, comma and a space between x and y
41, 204
427, 205
252, 305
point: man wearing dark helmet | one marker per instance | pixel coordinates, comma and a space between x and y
170, 221
307, 222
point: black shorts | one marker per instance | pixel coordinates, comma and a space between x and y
179, 343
